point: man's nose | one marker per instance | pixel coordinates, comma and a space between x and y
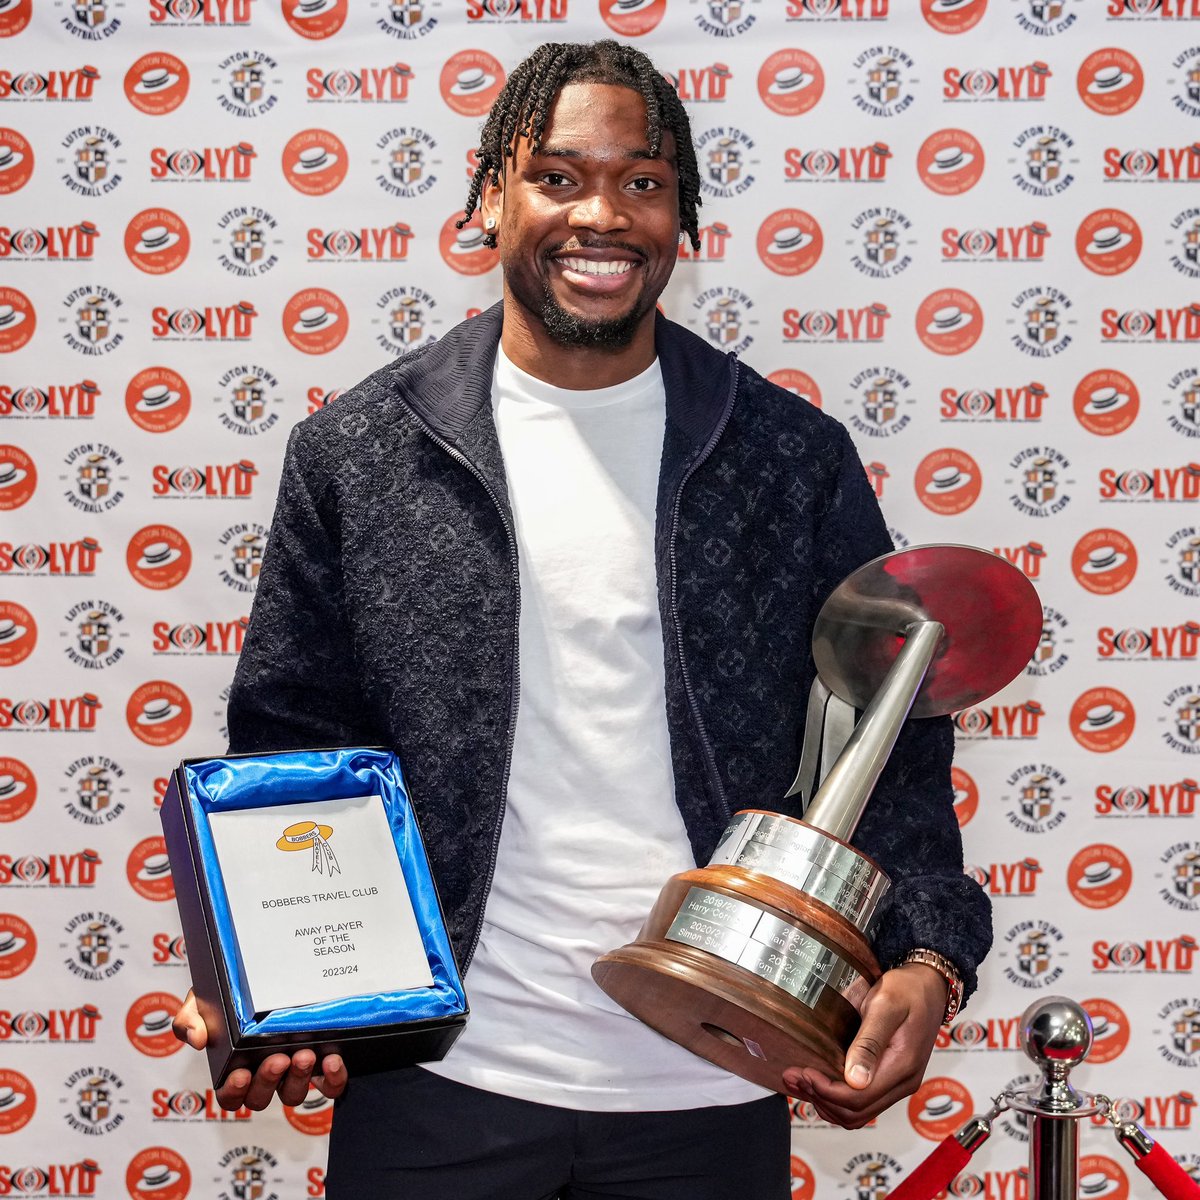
601, 209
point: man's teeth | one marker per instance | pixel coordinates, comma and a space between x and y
591, 266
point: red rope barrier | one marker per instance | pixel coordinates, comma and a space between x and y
937, 1171
1167, 1175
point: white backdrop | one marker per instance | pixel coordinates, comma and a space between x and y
962, 226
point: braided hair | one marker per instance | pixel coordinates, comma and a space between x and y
525, 100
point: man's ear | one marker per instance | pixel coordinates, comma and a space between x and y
491, 200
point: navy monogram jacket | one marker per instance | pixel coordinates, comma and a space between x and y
387, 609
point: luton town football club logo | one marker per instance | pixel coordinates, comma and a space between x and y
1044, 18
406, 20
1042, 160
93, 320
883, 78
91, 161
1052, 651
725, 18
880, 240
93, 635
1185, 243
1040, 321
247, 242
407, 163
407, 317
1178, 1030
94, 477
248, 1173
1039, 477
870, 1176
1035, 797
1180, 718
726, 316
1033, 954
90, 20
248, 83
881, 402
1179, 876
727, 157
241, 554
92, 1100
1185, 80
1183, 561
248, 400
1183, 402
93, 790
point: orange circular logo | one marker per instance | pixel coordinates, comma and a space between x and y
18, 633
1102, 719
315, 19
157, 241
632, 18
315, 321
313, 1115
1101, 1178
158, 713
315, 162
157, 1173
1108, 241
157, 83
950, 162
1110, 1030
790, 242
939, 1107
470, 82
158, 557
966, 795
17, 319
148, 1024
1110, 81
790, 82
463, 249
948, 481
1099, 876
18, 947
16, 161
949, 321
1104, 561
158, 399
953, 16
148, 868
799, 383
18, 1101
803, 1181
14, 17
18, 477
18, 789
1106, 402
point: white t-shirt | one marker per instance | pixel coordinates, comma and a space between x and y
591, 831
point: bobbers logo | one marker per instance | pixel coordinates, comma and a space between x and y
56, 714
884, 76
312, 1116
966, 1035
148, 1024
1040, 476
18, 1101
803, 1181
1033, 954
158, 557
1104, 561
470, 81
802, 385
158, 713
94, 943
1102, 719
999, 84
1034, 796
93, 791
1151, 326
949, 321
837, 10
191, 1106
790, 82
18, 320
157, 83
1099, 876
68, 402
1108, 241
1152, 956
879, 400
242, 547
1042, 160
248, 400
1187, 82
158, 1172
1164, 164
1105, 402
1110, 81
486, 12
1019, 405
148, 869
60, 1025
725, 315
315, 321
69, 86
1044, 18
18, 477
966, 796
870, 1176
1005, 243
315, 162
248, 84
229, 323
713, 240
18, 789
845, 164
823, 325
1027, 557
244, 241
1110, 1029
879, 243
157, 399
407, 319
1101, 1177
92, 1100
315, 19
1178, 1028
1006, 722
365, 85
950, 162
1039, 321
939, 1107
1181, 719
406, 19
18, 633
18, 945
208, 164
16, 161
15, 17
1166, 800
50, 871
54, 243
789, 242
726, 157
947, 481
248, 1173
1183, 560
1013, 880
462, 249
168, 13
157, 241
54, 558
93, 635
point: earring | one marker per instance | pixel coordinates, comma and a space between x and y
490, 224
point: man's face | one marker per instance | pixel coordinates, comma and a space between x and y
589, 226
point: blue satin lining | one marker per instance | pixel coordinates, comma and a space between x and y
226, 784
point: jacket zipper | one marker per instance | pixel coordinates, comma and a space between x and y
515, 674
709, 755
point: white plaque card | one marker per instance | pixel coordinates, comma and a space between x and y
319, 902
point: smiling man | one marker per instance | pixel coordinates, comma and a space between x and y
566, 561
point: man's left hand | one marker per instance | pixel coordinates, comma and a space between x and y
886, 1061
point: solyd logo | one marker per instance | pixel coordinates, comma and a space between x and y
65, 1025
700, 85
206, 164
1005, 722
53, 243
200, 12
866, 324
1154, 956
364, 85
1163, 485
1149, 326
967, 1034
1020, 405
70, 401
379, 243
1163, 164
1169, 643
495, 11
713, 243
56, 714
213, 637
1148, 800
192, 1106
1004, 243
1027, 557
50, 871
72, 85
229, 323
53, 558
1011, 879
213, 481
837, 10
70, 1180
844, 164
996, 83
1175, 1111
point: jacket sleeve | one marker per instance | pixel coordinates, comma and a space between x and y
909, 826
296, 685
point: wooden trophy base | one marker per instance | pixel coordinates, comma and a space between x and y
732, 1014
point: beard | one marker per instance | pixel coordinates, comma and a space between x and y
611, 333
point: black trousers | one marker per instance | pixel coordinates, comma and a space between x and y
411, 1135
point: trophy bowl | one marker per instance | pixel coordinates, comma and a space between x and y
761, 960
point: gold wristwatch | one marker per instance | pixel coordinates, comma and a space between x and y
948, 971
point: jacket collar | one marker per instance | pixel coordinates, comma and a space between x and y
450, 384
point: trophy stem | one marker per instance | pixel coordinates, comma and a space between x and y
839, 802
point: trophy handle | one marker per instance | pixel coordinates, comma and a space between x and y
827, 728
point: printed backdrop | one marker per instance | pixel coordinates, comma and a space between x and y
964, 227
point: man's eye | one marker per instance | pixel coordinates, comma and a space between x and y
643, 183
554, 178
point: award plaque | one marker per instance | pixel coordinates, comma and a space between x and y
309, 912
761, 960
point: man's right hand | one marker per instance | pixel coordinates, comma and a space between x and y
278, 1074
